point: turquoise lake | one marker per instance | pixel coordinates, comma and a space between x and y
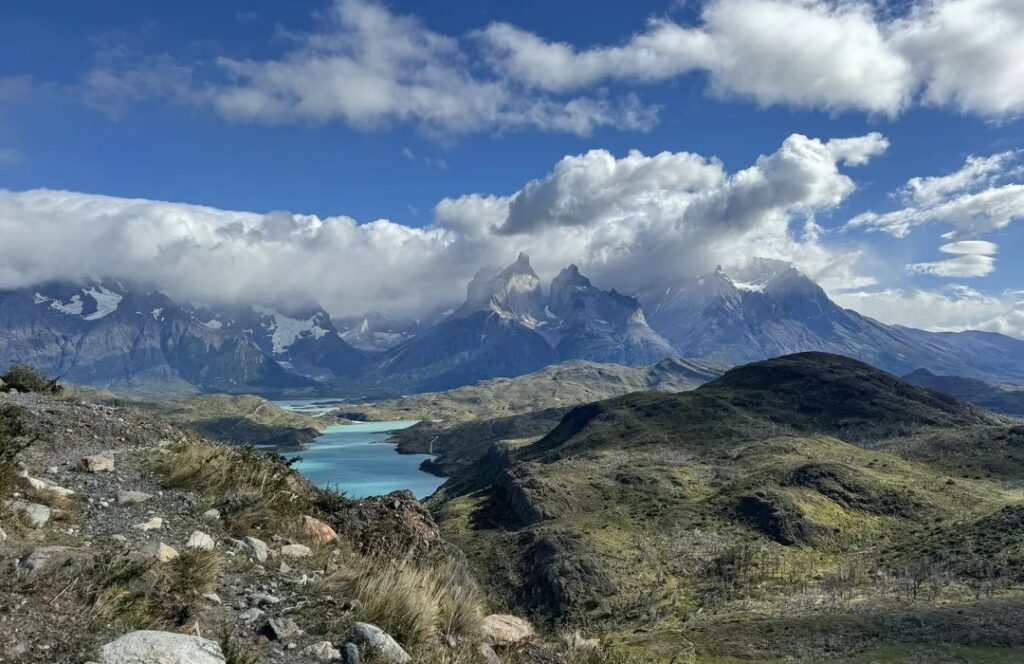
354, 458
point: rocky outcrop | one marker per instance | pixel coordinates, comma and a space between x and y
393, 523
777, 518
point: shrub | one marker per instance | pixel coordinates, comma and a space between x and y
26, 379
13, 440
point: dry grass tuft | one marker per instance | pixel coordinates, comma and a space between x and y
145, 594
417, 606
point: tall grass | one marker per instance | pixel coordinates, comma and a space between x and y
417, 606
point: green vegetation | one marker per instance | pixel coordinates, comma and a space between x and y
798, 508
26, 379
13, 440
559, 386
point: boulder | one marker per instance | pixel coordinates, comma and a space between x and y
48, 560
317, 531
132, 497
503, 630
98, 463
281, 628
35, 515
211, 515
295, 551
151, 647
257, 547
380, 643
323, 651
199, 540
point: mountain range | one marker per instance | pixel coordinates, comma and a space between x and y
131, 338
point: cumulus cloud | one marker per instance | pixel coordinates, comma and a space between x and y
629, 222
968, 200
953, 308
964, 54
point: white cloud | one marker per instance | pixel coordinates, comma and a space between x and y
366, 67
953, 308
980, 247
628, 222
956, 200
965, 54
976, 171
968, 265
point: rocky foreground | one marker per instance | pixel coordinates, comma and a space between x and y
127, 540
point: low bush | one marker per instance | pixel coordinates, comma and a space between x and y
26, 379
14, 439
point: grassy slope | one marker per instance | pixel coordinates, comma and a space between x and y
558, 386
629, 516
237, 419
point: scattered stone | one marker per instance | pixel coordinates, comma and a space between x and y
278, 629
295, 551
317, 531
265, 599
132, 497
211, 515
258, 548
199, 540
47, 485
284, 568
503, 630
351, 605
3, 535
323, 651
160, 552
213, 598
251, 615
119, 538
156, 523
154, 647
349, 653
35, 515
379, 643
47, 560
98, 463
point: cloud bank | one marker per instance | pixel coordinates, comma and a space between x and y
628, 221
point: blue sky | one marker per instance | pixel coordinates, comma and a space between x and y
184, 102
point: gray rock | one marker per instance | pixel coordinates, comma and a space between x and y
281, 628
199, 540
350, 653
323, 651
151, 647
487, 654
258, 548
295, 551
380, 643
132, 497
265, 599
251, 615
47, 560
3, 535
213, 598
156, 523
98, 463
35, 514
47, 485
211, 515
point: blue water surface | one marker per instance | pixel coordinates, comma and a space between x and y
354, 458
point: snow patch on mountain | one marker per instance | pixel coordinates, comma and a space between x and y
106, 300
72, 307
284, 330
